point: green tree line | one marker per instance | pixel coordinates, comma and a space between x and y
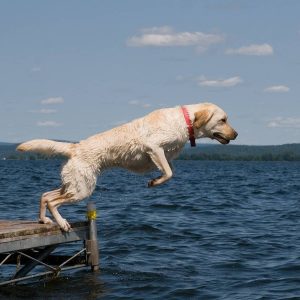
286, 152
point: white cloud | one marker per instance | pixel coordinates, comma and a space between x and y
277, 89
48, 124
44, 111
259, 50
134, 102
53, 100
139, 103
166, 37
281, 122
47, 111
229, 82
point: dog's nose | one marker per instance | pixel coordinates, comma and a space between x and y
235, 134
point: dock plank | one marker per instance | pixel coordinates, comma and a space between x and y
15, 228
23, 234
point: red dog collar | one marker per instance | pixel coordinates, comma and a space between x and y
189, 126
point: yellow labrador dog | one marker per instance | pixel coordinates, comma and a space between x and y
140, 146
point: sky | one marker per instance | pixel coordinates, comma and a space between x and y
70, 69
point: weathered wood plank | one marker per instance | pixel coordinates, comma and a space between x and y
20, 235
13, 228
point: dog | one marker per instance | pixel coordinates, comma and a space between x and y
142, 145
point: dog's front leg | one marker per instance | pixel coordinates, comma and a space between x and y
158, 157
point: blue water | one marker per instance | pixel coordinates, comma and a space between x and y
217, 230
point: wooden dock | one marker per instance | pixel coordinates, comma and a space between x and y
28, 245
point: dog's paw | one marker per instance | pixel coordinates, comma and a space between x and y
155, 182
151, 183
64, 225
45, 220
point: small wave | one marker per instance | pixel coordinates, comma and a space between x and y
146, 228
132, 275
185, 293
36, 178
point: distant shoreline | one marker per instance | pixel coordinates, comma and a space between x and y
286, 152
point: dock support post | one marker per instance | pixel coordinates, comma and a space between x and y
92, 242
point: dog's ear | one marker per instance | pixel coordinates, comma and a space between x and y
202, 117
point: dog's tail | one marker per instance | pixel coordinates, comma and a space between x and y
48, 147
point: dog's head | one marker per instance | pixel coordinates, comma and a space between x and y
211, 121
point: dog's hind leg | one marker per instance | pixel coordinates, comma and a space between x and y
78, 182
53, 205
43, 205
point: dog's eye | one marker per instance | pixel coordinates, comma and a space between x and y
223, 120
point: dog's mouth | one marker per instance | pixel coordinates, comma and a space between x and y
220, 138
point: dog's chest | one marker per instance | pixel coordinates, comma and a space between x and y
173, 150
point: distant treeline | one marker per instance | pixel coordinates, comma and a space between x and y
287, 152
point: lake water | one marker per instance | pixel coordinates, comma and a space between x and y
217, 230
